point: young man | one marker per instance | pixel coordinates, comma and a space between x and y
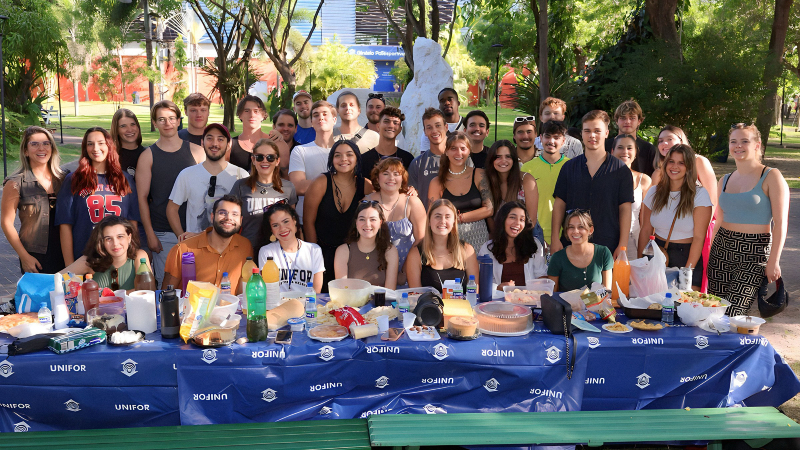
201, 185
375, 104
197, 109
477, 129
218, 249
556, 109
284, 127
524, 135
390, 125
302, 107
158, 167
349, 108
545, 169
628, 116
598, 182
311, 160
448, 106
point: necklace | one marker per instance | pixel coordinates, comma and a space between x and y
458, 173
389, 211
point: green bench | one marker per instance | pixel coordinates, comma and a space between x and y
317, 434
582, 427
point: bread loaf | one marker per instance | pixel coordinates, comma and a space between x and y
278, 317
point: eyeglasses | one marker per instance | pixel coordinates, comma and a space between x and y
212, 185
163, 120
525, 119
226, 213
36, 145
115, 277
373, 95
260, 158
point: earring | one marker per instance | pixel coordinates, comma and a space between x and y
272, 238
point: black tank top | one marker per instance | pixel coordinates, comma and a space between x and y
332, 225
434, 278
239, 156
166, 167
467, 202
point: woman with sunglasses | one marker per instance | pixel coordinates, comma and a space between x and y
516, 254
441, 255
624, 148
366, 244
96, 189
251, 113
507, 182
581, 263
261, 189
32, 190
112, 254
299, 262
331, 201
466, 187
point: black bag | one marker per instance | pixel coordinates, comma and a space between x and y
30, 344
557, 317
776, 302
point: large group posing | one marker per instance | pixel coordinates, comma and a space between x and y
327, 202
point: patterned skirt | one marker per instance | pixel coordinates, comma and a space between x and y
475, 233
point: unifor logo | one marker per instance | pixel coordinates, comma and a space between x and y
643, 380
701, 342
209, 355
129, 367
491, 385
72, 405
440, 351
6, 370
325, 411
269, 395
553, 354
382, 382
593, 342
430, 409
326, 353
21, 427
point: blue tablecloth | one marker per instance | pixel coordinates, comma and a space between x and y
169, 383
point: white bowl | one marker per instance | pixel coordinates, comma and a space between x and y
350, 292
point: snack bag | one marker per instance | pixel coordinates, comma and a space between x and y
348, 316
599, 301
72, 296
202, 299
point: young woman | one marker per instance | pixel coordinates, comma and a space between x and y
251, 113
581, 263
127, 135
262, 188
96, 189
670, 136
368, 243
405, 214
624, 148
516, 254
751, 224
442, 255
284, 125
299, 262
466, 188
331, 201
679, 210
112, 254
507, 182
32, 189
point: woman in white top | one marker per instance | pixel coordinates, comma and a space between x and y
517, 256
679, 211
298, 262
625, 150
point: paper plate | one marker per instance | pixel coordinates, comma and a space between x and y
628, 330
332, 333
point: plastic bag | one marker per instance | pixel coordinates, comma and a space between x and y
648, 276
202, 299
32, 290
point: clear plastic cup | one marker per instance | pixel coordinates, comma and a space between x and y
408, 319
383, 324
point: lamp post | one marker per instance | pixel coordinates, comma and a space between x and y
3, 20
499, 48
58, 80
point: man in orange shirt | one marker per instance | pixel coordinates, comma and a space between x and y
217, 250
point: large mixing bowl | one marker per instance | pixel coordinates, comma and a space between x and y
350, 292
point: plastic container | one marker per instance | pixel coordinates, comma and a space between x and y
90, 292
188, 269
531, 293
747, 324
503, 318
403, 305
310, 305
247, 271
144, 280
297, 323
621, 275
272, 279
461, 326
45, 316
668, 310
108, 318
413, 294
231, 307
472, 291
649, 249
350, 292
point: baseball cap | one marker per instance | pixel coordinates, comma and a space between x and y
301, 93
218, 126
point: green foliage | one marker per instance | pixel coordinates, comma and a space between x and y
234, 82
465, 70
401, 72
333, 68
563, 85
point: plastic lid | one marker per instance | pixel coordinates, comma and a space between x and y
405, 294
458, 280
249, 258
224, 274
622, 249
472, 277
669, 295
255, 270
310, 284
269, 258
652, 238
88, 276
143, 261
43, 305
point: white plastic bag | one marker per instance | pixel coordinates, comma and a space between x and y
648, 275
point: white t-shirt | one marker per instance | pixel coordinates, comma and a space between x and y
301, 266
662, 220
192, 186
311, 159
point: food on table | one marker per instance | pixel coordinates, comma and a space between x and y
423, 333
645, 325
616, 327
656, 306
124, 337
76, 340
526, 297
747, 324
328, 332
111, 323
279, 317
324, 316
455, 307
372, 315
599, 301
364, 331
348, 317
10, 321
462, 326
707, 300
503, 317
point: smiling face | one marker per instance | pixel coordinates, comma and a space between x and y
227, 219
675, 166
442, 220
368, 223
625, 150
667, 140
39, 149
594, 133
743, 145
128, 131
344, 159
264, 167
96, 147
390, 180
215, 144
198, 116
435, 130
515, 222
577, 231
166, 122
283, 226
628, 124
552, 113
322, 119
552, 143
389, 127
458, 154
348, 108
524, 136
286, 127
374, 108
503, 162
116, 241
252, 115
302, 106
477, 129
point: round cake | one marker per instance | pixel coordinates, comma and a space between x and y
462, 326
503, 317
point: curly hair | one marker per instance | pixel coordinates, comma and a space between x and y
524, 244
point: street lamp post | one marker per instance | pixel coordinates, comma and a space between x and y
499, 48
3, 20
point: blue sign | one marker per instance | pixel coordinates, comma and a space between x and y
378, 52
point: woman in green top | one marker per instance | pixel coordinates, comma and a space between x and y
112, 254
581, 263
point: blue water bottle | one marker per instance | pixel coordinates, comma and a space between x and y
486, 275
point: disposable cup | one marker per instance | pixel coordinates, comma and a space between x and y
408, 320
383, 323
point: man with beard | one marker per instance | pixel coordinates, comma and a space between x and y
201, 185
448, 105
375, 104
524, 137
390, 125
302, 107
219, 249
349, 108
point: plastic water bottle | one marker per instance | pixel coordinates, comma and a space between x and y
188, 270
458, 289
225, 284
256, 308
311, 306
45, 316
472, 291
649, 248
403, 304
668, 310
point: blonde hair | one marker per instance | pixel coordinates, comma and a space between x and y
454, 244
55, 159
751, 128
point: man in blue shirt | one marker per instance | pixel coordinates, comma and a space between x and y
301, 101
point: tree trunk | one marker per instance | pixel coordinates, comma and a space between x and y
544, 73
661, 14
75, 88
772, 68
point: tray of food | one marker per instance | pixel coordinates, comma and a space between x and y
423, 333
328, 333
652, 312
530, 294
504, 319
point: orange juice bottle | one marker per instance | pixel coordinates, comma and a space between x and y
272, 279
247, 269
621, 275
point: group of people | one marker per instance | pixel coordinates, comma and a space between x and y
325, 201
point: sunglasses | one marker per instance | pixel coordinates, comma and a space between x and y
372, 202
272, 206
740, 125
269, 158
115, 277
522, 119
391, 158
579, 211
373, 95
212, 185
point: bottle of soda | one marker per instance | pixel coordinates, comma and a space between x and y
247, 272
649, 249
256, 308
188, 270
225, 284
90, 291
144, 281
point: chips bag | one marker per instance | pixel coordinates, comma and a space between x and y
202, 299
